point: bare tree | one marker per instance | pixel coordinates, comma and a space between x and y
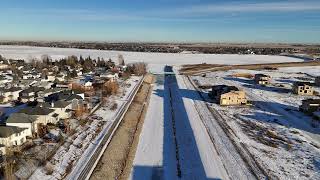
121, 60
46, 59
139, 68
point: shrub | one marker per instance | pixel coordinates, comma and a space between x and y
114, 107
110, 88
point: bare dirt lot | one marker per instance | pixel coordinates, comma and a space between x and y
201, 68
117, 159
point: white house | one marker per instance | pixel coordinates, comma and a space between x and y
110, 76
30, 94
22, 120
61, 108
31, 76
61, 77
31, 118
4, 66
5, 79
11, 94
12, 136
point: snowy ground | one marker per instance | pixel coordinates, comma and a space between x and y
277, 134
75, 152
156, 61
293, 156
156, 158
153, 157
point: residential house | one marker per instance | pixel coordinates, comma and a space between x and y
10, 94
50, 78
43, 84
317, 81
61, 107
4, 66
26, 83
310, 105
86, 83
32, 118
262, 79
33, 75
12, 135
30, 94
303, 88
61, 85
228, 95
5, 79
76, 98
110, 76
22, 120
42, 95
44, 115
61, 77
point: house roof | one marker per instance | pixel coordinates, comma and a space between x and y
6, 131
20, 118
261, 75
33, 89
12, 89
300, 83
65, 95
312, 101
57, 104
36, 111
224, 88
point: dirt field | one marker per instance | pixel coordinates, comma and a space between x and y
117, 159
201, 68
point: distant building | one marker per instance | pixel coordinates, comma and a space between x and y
310, 105
303, 88
228, 95
11, 94
262, 79
4, 66
317, 81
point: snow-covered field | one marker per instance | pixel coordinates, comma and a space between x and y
293, 156
311, 70
156, 61
280, 137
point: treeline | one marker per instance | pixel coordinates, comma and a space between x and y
170, 48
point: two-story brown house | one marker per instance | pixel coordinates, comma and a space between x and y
303, 88
262, 79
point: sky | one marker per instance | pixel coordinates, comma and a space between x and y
289, 21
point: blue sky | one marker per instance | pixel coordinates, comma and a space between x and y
161, 20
